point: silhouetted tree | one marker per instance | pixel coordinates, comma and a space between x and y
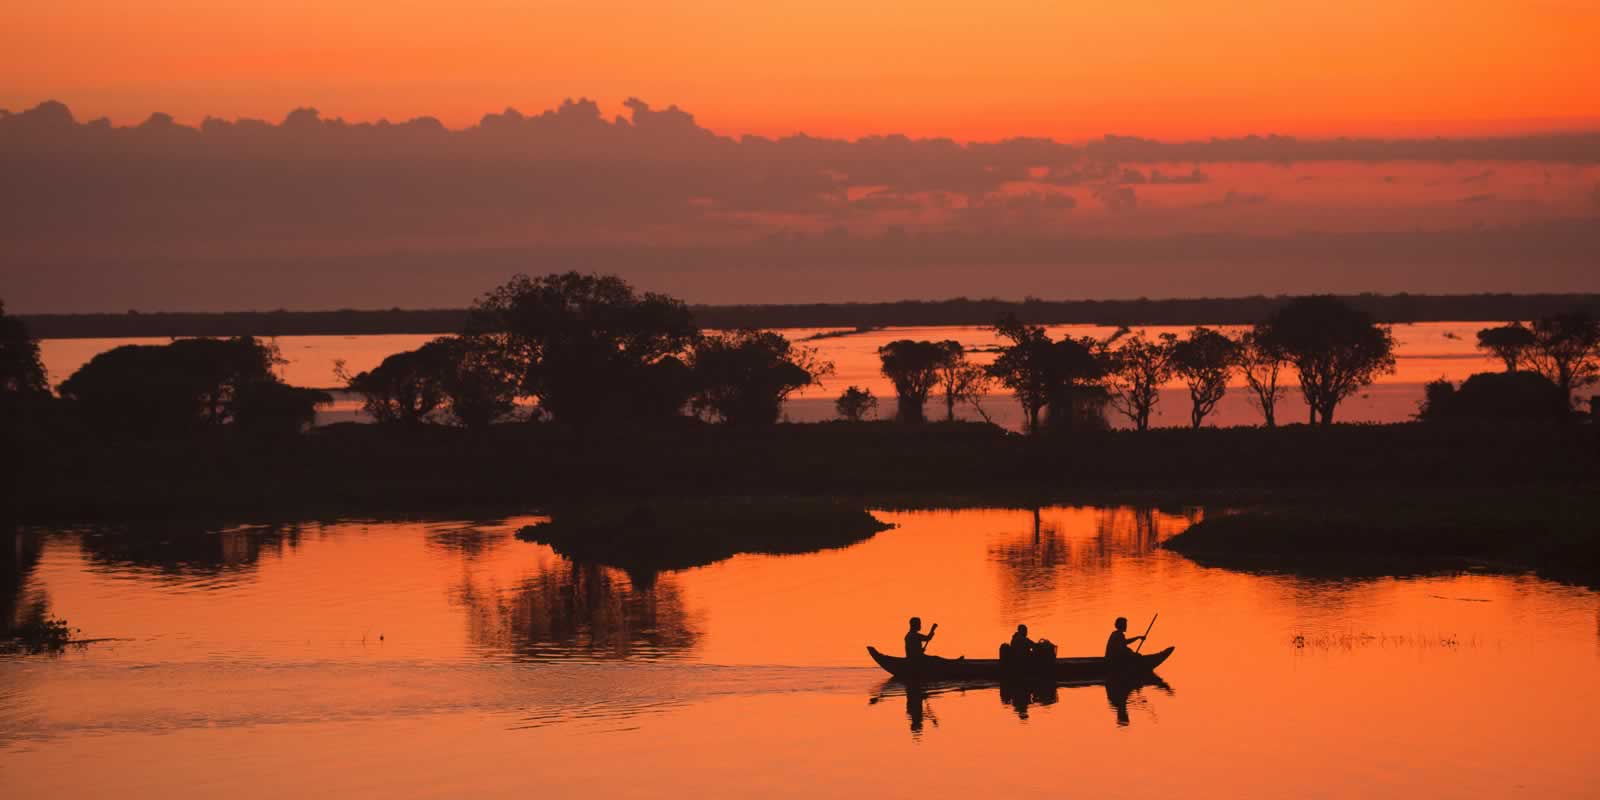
1495, 396
1260, 360
1566, 349
1335, 349
587, 346
854, 403
961, 380
1061, 376
1139, 367
913, 368
1205, 360
405, 388
1024, 367
1077, 398
743, 377
21, 370
271, 407
174, 388
218, 369
1509, 343
479, 381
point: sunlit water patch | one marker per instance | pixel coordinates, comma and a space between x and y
428, 658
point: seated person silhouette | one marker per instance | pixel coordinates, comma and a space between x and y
917, 641
1021, 645
1117, 650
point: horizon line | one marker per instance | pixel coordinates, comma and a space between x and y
846, 303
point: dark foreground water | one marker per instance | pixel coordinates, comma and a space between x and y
448, 659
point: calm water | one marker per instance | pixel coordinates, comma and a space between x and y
448, 659
1426, 351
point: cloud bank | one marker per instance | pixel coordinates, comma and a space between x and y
313, 212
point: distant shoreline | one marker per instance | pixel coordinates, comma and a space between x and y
1395, 308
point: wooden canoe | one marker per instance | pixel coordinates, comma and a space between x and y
1094, 668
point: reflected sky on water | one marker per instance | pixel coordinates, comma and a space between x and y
428, 658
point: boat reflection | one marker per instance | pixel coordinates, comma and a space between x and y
1020, 696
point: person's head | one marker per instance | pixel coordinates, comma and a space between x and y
916, 623
1022, 629
1122, 623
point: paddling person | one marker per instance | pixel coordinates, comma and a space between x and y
1117, 649
916, 640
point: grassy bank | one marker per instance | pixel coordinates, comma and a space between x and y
353, 469
1551, 531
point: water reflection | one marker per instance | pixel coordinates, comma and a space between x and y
186, 549
472, 542
21, 602
568, 608
1119, 696
1019, 697
1058, 545
263, 684
1029, 562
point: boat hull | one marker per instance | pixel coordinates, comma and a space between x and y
933, 668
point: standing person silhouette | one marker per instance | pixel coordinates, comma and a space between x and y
1117, 651
916, 640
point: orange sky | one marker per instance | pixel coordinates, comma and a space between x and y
999, 68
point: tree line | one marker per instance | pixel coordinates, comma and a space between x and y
1071, 382
590, 350
1331, 348
183, 387
1545, 364
586, 350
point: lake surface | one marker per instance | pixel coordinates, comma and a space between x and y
1426, 351
448, 659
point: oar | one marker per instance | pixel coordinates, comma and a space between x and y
1146, 636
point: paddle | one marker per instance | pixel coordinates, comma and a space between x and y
1146, 636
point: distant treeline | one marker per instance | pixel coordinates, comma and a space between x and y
1397, 308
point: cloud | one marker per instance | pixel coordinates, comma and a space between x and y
1116, 198
572, 187
1237, 198
1194, 176
888, 201
1037, 201
1573, 148
577, 127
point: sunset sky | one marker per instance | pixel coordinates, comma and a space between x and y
1071, 70
176, 214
